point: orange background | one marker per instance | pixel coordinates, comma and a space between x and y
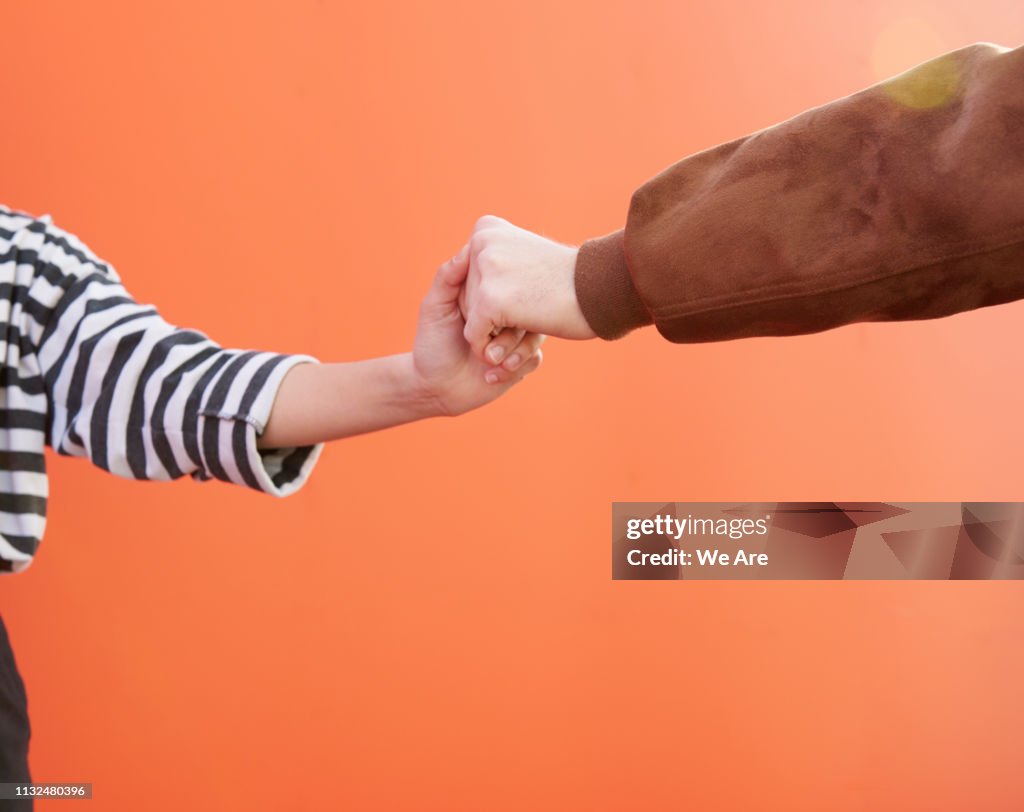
430, 623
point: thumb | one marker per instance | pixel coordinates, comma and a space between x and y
441, 301
449, 278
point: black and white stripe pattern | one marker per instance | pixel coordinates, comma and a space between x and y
92, 373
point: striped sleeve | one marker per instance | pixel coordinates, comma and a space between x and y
138, 396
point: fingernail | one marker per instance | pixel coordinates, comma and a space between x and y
495, 353
513, 361
491, 377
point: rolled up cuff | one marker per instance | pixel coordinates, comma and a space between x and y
605, 289
236, 415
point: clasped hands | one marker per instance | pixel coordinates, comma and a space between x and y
480, 329
520, 284
488, 312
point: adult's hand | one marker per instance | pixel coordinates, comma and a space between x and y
521, 284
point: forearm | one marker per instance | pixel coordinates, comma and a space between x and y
903, 201
321, 402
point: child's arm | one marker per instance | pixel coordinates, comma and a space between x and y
144, 399
91, 372
120, 386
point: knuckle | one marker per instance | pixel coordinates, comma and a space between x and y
484, 257
490, 262
485, 301
487, 220
476, 244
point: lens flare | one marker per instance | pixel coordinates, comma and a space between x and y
932, 81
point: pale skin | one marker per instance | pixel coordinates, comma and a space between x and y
439, 377
480, 330
521, 282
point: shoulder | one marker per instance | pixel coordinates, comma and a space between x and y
36, 239
14, 221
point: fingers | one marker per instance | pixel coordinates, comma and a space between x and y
483, 320
528, 346
478, 331
500, 347
500, 375
451, 275
442, 300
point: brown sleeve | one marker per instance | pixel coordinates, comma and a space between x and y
903, 201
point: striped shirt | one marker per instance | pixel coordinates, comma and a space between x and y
92, 373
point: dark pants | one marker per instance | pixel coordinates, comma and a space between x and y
14, 726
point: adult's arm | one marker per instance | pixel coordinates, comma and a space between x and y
902, 201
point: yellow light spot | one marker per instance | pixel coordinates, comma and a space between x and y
934, 78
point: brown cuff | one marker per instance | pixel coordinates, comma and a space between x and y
605, 290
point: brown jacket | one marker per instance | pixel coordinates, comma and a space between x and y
902, 201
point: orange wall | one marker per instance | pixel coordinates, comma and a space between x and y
430, 624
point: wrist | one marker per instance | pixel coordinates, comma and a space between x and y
581, 328
416, 394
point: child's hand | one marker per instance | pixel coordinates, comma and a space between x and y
446, 370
